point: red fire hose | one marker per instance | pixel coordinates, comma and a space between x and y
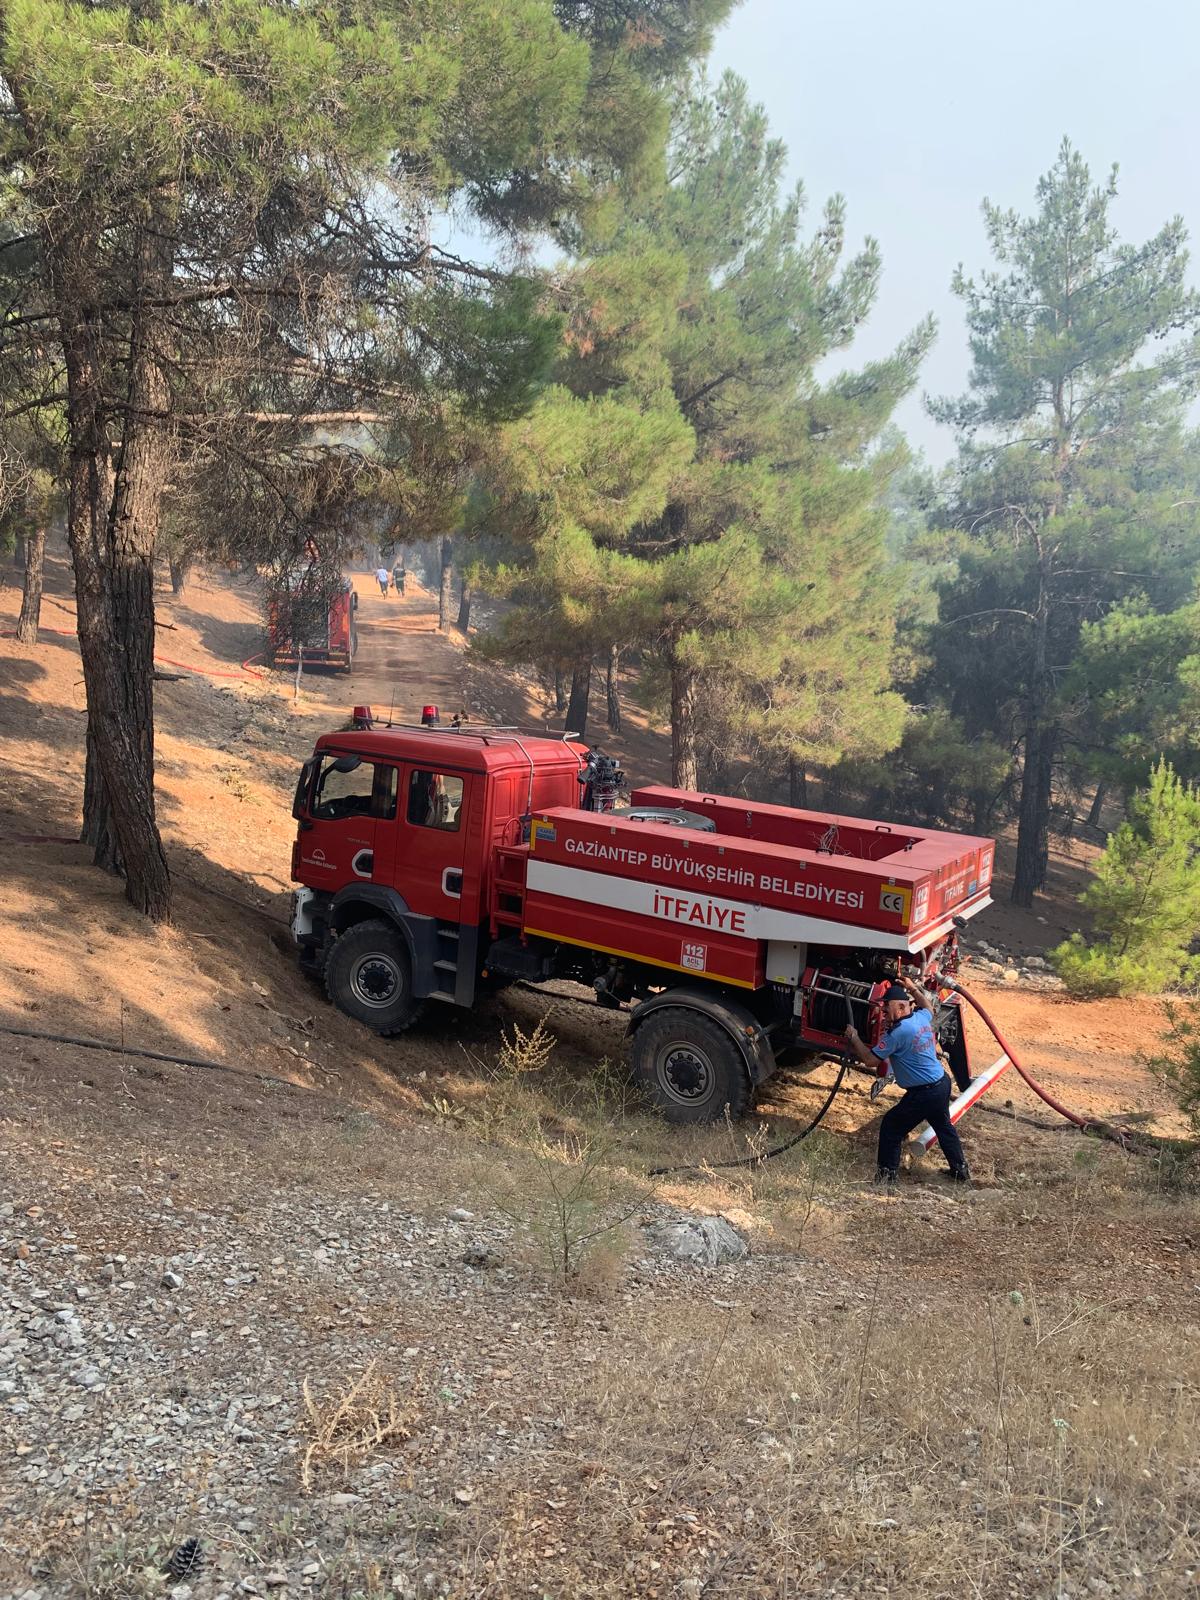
1090, 1123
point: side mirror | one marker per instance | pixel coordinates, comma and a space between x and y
346, 764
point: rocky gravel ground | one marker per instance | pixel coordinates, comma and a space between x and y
170, 1323
256, 1340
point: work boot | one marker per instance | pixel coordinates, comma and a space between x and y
959, 1174
886, 1177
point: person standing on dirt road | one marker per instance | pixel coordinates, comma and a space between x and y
909, 1048
381, 574
398, 577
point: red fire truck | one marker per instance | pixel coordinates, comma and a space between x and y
325, 633
433, 861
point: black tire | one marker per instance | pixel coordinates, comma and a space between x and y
688, 1066
368, 975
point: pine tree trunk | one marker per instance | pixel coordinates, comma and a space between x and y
1098, 799
31, 593
113, 521
1033, 824
18, 553
581, 693
464, 607
797, 784
179, 570
98, 828
446, 584
684, 767
612, 696
560, 690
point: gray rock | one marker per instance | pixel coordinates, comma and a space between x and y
1011, 975
700, 1241
461, 1214
1038, 963
171, 1280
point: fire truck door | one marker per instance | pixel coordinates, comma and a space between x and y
438, 819
349, 831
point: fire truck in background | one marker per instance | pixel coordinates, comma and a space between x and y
434, 861
313, 624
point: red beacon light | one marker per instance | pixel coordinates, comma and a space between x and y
361, 717
429, 717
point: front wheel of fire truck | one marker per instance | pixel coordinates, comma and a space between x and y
688, 1066
369, 976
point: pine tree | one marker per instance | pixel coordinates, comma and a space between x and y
764, 558
1075, 400
748, 587
227, 214
1144, 897
1134, 690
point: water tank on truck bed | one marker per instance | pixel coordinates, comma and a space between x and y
434, 861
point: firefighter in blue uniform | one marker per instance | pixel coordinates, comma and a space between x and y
909, 1049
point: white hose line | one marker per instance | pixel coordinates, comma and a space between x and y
964, 1102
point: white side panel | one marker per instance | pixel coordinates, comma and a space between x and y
786, 960
689, 909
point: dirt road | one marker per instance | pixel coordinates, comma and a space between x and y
403, 661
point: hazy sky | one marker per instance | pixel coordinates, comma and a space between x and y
916, 111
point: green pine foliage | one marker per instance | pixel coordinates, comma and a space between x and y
228, 263
935, 775
1144, 898
1135, 686
1178, 1058
740, 557
1068, 484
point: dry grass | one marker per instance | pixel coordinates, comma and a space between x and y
981, 1454
346, 1427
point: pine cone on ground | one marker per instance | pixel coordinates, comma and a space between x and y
186, 1560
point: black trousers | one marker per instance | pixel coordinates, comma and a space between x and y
929, 1102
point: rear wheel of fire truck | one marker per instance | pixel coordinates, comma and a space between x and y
689, 1067
369, 976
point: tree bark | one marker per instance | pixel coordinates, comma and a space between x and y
581, 693
446, 584
464, 607
684, 767
18, 553
113, 518
797, 784
560, 690
1033, 822
99, 829
1098, 799
612, 696
31, 593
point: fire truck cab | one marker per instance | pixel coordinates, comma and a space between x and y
433, 860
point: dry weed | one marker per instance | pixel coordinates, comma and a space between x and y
522, 1053
347, 1426
569, 1200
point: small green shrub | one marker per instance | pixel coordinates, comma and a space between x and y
1144, 898
1179, 1059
